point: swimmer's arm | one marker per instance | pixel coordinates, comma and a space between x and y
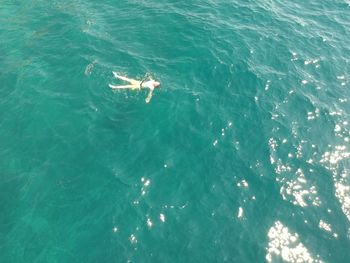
148, 99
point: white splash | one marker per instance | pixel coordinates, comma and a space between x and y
149, 223
133, 239
240, 212
146, 183
242, 183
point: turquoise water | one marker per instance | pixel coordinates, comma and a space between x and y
243, 155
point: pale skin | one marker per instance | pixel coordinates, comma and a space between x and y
137, 84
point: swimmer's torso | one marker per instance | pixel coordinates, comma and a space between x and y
148, 84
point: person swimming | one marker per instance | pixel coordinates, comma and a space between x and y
137, 84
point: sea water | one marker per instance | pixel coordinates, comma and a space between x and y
243, 155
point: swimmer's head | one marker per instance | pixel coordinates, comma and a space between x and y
157, 84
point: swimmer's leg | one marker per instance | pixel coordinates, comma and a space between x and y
124, 87
132, 81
